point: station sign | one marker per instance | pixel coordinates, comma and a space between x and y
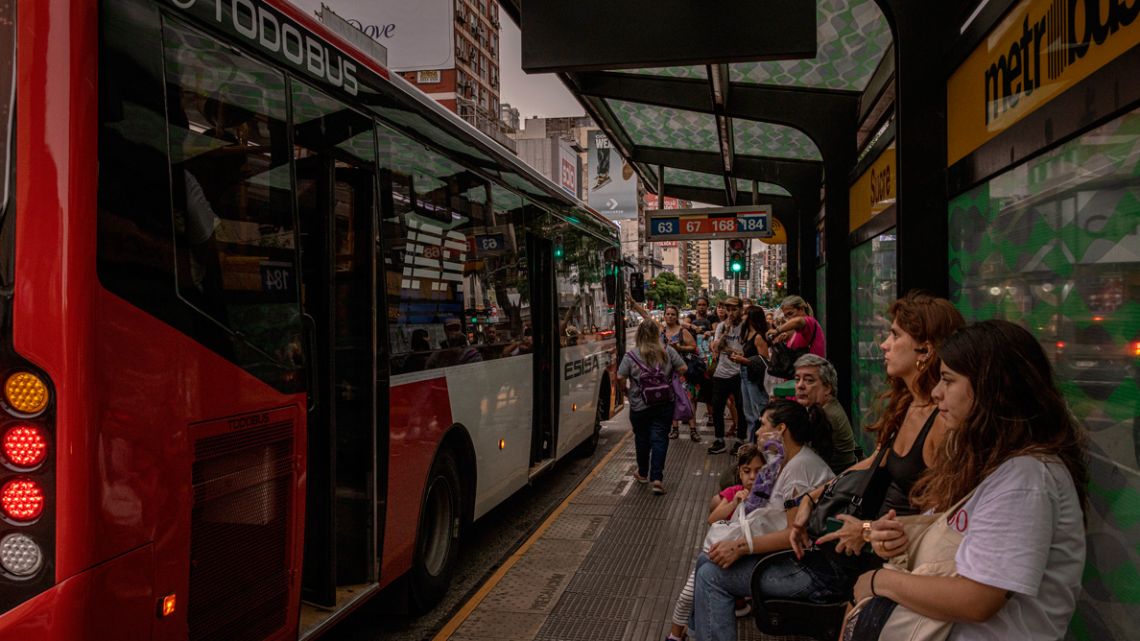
752, 221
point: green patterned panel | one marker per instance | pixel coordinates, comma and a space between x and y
852, 37
697, 72
754, 138
650, 126
1055, 245
744, 186
873, 275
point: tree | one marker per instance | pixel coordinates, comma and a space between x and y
718, 296
667, 289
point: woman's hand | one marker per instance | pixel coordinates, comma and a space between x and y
888, 536
849, 537
798, 531
737, 358
725, 553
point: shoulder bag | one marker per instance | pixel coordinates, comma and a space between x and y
845, 495
782, 359
931, 550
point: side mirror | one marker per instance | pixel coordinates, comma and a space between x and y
637, 287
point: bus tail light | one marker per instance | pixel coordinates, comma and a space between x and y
22, 500
25, 446
20, 555
26, 393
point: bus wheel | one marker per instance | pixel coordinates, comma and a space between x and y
437, 544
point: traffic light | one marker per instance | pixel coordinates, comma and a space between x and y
559, 250
737, 259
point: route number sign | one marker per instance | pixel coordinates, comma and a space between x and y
697, 224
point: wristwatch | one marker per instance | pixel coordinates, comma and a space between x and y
867, 531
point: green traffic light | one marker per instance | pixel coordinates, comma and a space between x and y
737, 267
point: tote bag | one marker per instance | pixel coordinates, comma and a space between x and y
931, 550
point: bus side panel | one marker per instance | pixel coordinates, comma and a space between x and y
109, 601
582, 367
494, 401
419, 416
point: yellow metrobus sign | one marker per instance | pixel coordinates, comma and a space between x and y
1038, 51
874, 191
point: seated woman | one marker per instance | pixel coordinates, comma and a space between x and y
1015, 445
816, 382
910, 424
723, 573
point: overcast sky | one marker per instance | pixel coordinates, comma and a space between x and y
541, 94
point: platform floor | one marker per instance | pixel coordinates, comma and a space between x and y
608, 563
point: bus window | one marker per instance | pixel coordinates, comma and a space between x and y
579, 271
429, 225
233, 218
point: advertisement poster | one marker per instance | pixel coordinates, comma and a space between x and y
612, 183
418, 35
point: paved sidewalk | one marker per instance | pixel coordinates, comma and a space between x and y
610, 562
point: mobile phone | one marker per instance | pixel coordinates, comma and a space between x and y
833, 525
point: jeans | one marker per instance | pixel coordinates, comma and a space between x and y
651, 438
755, 400
715, 594
819, 577
722, 389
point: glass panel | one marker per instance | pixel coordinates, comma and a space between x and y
754, 138
1054, 244
873, 270
579, 274
853, 35
439, 210
232, 197
821, 297
650, 126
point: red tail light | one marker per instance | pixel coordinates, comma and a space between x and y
1136, 348
22, 500
25, 446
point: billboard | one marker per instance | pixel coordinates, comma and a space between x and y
418, 34
567, 171
612, 183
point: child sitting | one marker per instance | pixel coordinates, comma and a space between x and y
756, 469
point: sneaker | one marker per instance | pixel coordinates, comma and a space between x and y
743, 607
658, 487
639, 478
603, 179
735, 448
694, 435
673, 433
717, 447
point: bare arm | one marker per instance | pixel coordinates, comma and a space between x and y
724, 509
944, 598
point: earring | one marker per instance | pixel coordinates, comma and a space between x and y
920, 364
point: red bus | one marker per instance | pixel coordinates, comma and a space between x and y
274, 326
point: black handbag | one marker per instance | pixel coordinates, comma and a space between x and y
849, 493
782, 359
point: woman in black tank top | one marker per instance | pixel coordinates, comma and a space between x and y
910, 352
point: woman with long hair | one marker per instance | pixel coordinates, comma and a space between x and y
648, 366
683, 341
909, 426
1015, 446
724, 572
753, 364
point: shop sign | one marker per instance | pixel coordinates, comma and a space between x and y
1037, 52
874, 191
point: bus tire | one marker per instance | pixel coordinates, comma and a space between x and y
437, 539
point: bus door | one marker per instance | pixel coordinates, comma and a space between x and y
544, 321
336, 198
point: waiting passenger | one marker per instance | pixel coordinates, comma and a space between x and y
724, 573
650, 409
816, 382
805, 331
725, 505
1014, 446
910, 426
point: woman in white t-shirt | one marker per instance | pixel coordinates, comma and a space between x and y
1013, 441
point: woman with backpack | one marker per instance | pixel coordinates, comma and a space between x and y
650, 367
